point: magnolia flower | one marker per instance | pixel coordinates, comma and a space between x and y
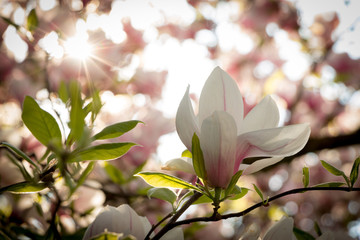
227, 136
125, 220
283, 229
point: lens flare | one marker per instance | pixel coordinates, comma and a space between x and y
78, 47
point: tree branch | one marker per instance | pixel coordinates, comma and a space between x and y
218, 217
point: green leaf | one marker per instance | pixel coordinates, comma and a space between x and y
63, 92
156, 179
203, 199
77, 114
40, 123
329, 184
84, 175
139, 168
163, 194
10, 22
259, 192
114, 173
24, 187
19, 153
317, 228
332, 169
96, 105
233, 182
305, 176
301, 235
198, 158
20, 166
238, 193
354, 171
32, 21
107, 151
116, 130
186, 153
335, 171
108, 236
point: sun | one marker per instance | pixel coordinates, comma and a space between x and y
78, 47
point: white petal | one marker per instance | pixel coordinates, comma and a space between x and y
183, 164
186, 123
260, 164
218, 143
220, 92
131, 222
264, 115
274, 142
122, 219
109, 219
174, 234
283, 229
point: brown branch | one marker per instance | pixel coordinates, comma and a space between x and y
214, 218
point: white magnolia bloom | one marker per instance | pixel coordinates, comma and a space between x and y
125, 220
227, 136
283, 229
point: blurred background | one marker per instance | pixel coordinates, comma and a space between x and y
142, 54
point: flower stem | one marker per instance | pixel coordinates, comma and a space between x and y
172, 221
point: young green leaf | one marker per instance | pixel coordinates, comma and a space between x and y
301, 235
335, 171
32, 21
238, 193
24, 187
109, 236
259, 192
156, 179
63, 92
305, 176
116, 130
96, 105
233, 182
163, 194
20, 166
77, 114
139, 168
108, 151
198, 158
329, 184
40, 123
186, 153
10, 22
19, 153
317, 229
203, 199
354, 171
114, 173
331, 169
84, 175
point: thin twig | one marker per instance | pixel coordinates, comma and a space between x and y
172, 221
214, 218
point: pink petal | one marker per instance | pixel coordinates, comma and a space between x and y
218, 143
220, 93
264, 115
273, 142
260, 164
186, 123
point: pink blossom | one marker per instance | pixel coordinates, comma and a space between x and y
227, 136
